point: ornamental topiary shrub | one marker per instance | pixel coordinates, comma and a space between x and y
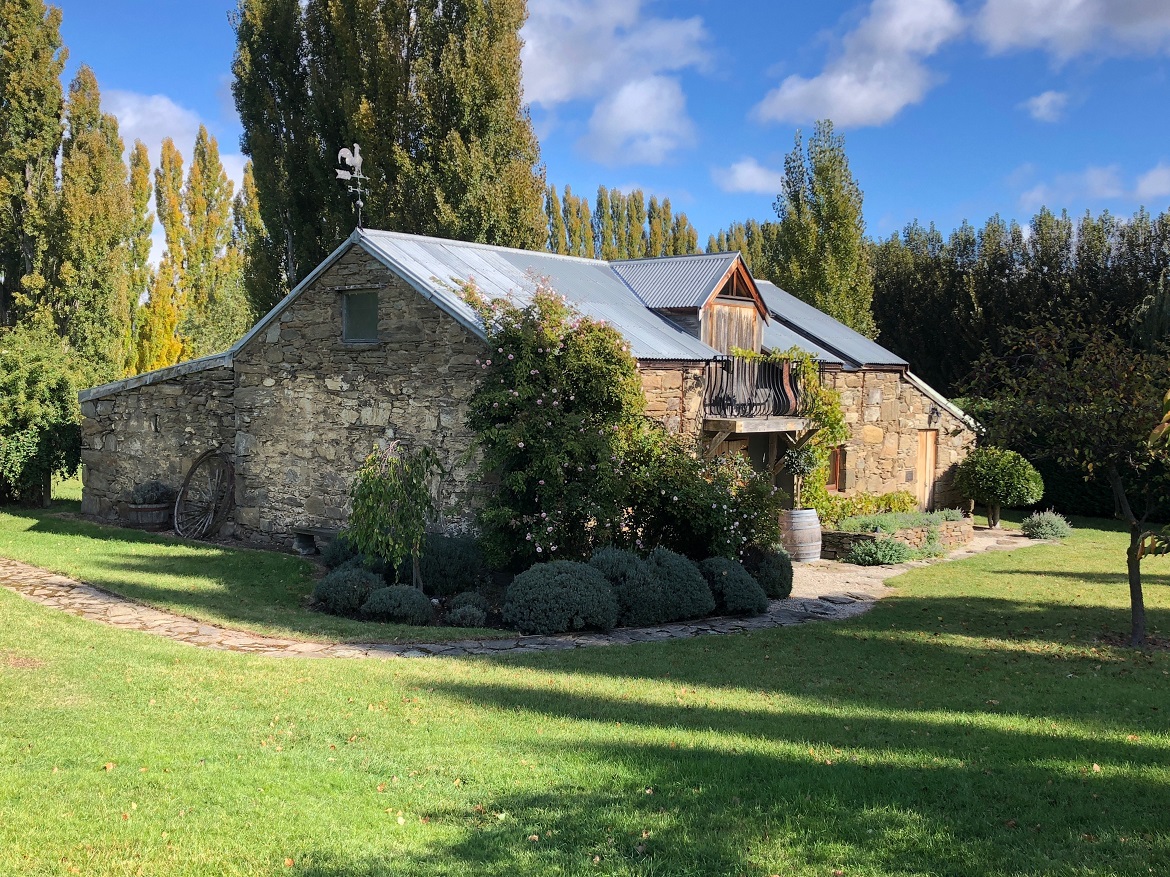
447, 564
1046, 525
468, 598
639, 593
398, 603
995, 478
878, 552
338, 551
467, 616
560, 596
343, 591
685, 593
771, 568
735, 591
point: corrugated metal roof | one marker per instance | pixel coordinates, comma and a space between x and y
436, 267
777, 336
676, 281
853, 348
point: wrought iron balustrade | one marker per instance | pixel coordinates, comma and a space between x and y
751, 388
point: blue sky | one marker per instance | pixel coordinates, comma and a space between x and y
950, 110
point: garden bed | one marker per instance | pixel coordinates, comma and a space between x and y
948, 535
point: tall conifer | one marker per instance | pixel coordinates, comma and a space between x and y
261, 254
603, 225
558, 240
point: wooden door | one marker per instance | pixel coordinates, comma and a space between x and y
927, 463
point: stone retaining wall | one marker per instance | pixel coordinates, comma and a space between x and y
835, 544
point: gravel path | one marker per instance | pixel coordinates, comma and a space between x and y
822, 591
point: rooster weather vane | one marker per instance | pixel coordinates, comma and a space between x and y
354, 176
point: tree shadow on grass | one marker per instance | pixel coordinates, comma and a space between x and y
775, 793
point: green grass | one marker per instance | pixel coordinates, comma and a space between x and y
970, 725
261, 591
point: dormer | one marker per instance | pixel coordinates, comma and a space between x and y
712, 296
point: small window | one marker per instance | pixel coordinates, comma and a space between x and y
359, 316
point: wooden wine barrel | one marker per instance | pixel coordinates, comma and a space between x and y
801, 530
156, 516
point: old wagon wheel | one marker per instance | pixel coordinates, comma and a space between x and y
206, 496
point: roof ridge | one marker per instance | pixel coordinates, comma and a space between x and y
476, 245
735, 253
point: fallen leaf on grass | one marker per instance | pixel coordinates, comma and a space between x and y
1096, 768
534, 837
108, 766
288, 863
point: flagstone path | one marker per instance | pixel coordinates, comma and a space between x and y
822, 591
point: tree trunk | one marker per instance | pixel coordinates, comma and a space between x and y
417, 573
47, 490
993, 517
1133, 562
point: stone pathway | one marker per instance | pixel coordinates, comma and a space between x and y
822, 591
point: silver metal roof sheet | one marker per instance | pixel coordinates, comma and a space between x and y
676, 281
436, 267
777, 336
853, 348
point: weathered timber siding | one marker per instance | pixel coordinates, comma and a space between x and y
310, 406
884, 413
727, 325
151, 433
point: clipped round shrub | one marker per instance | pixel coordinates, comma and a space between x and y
735, 591
559, 596
639, 593
1046, 525
398, 603
467, 615
338, 552
878, 552
684, 590
771, 568
344, 590
468, 598
995, 478
447, 564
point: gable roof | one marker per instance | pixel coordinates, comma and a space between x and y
436, 266
835, 341
669, 282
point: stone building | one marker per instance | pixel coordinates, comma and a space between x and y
376, 344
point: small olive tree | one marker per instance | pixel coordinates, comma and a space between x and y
995, 478
392, 503
1086, 398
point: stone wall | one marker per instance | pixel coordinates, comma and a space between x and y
151, 433
835, 544
310, 406
884, 412
674, 395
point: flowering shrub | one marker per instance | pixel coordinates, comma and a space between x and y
556, 393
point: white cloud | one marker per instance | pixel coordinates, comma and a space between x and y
1095, 183
608, 52
152, 118
643, 122
1048, 106
748, 175
583, 49
1154, 183
1066, 28
877, 71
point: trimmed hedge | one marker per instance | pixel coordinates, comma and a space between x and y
468, 598
735, 591
399, 603
560, 596
467, 615
639, 593
685, 592
995, 478
343, 591
771, 568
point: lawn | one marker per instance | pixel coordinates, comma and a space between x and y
970, 725
262, 591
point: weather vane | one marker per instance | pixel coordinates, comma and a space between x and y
355, 176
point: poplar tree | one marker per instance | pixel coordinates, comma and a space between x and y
87, 296
636, 235
32, 59
571, 217
139, 275
619, 208
604, 225
819, 252
158, 343
558, 240
655, 240
261, 254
